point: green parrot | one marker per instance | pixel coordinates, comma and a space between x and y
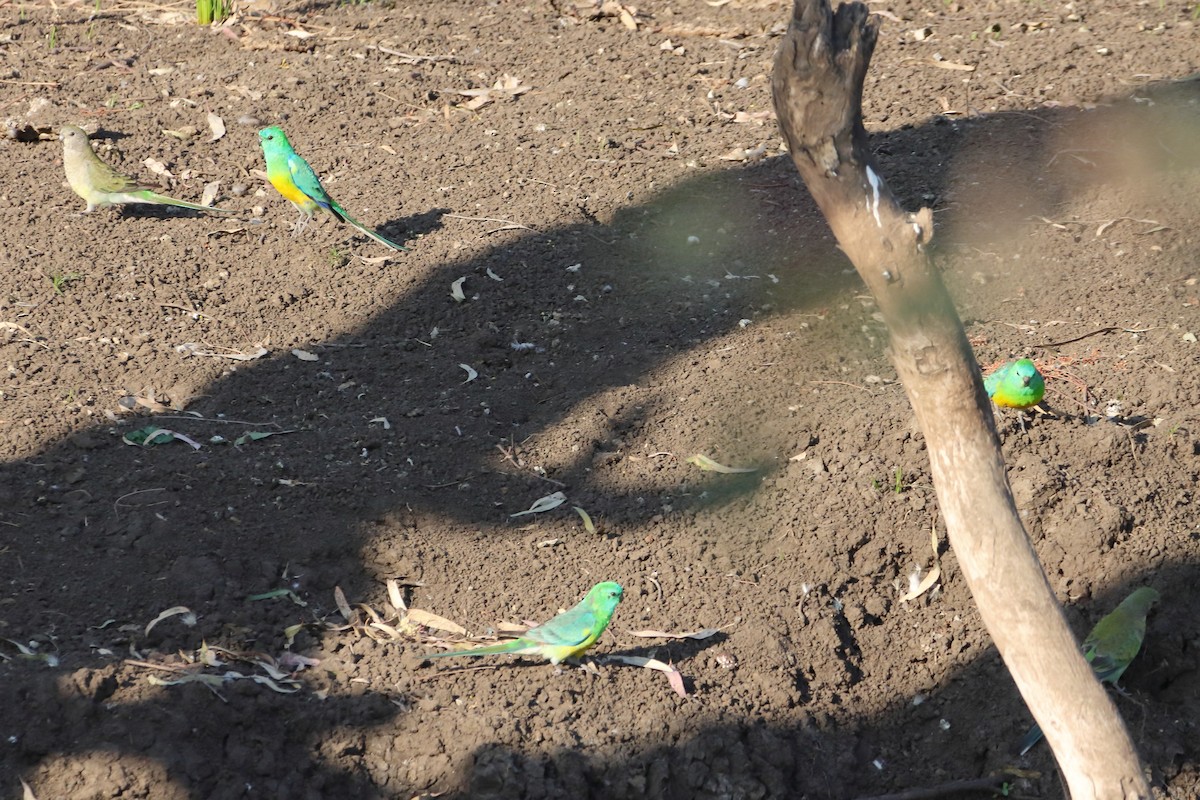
101, 185
293, 178
568, 635
1017, 384
1111, 645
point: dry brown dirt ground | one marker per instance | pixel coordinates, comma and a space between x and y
645, 280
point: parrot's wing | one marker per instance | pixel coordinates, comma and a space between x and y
306, 180
570, 628
1113, 643
991, 382
1109, 669
104, 178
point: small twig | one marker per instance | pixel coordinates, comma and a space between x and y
412, 58
442, 673
1109, 329
843, 383
991, 784
444, 485
225, 421
51, 84
117, 502
187, 310
493, 219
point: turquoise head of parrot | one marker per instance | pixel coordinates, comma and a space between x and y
273, 138
605, 595
1017, 384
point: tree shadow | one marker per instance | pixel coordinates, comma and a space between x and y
386, 430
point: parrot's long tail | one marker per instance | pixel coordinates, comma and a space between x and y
1033, 737
163, 200
504, 647
341, 212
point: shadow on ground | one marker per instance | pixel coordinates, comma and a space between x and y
385, 430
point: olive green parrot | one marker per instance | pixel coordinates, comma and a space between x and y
101, 185
1111, 645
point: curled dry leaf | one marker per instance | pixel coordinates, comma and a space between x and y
700, 634
395, 597
930, 579
761, 117
158, 168
430, 620
254, 436
588, 525
216, 125
471, 373
210, 193
506, 86
674, 676
339, 599
304, 355
152, 435
546, 503
294, 662
183, 612
708, 465
745, 154
939, 62
195, 349
28, 652
456, 290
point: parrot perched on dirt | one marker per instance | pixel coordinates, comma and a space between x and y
101, 185
1111, 645
1017, 384
568, 635
295, 180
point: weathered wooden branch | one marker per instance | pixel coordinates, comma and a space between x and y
817, 86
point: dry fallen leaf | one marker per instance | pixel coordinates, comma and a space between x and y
395, 597
183, 612
588, 525
700, 634
761, 117
917, 589
210, 193
216, 125
674, 676
339, 599
543, 504
158, 168
429, 620
708, 465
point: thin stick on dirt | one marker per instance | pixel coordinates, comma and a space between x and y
191, 418
511, 225
993, 784
817, 87
1109, 329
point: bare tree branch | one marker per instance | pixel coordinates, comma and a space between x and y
817, 87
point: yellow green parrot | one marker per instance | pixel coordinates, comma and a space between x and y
1111, 645
568, 635
101, 185
1017, 384
295, 180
